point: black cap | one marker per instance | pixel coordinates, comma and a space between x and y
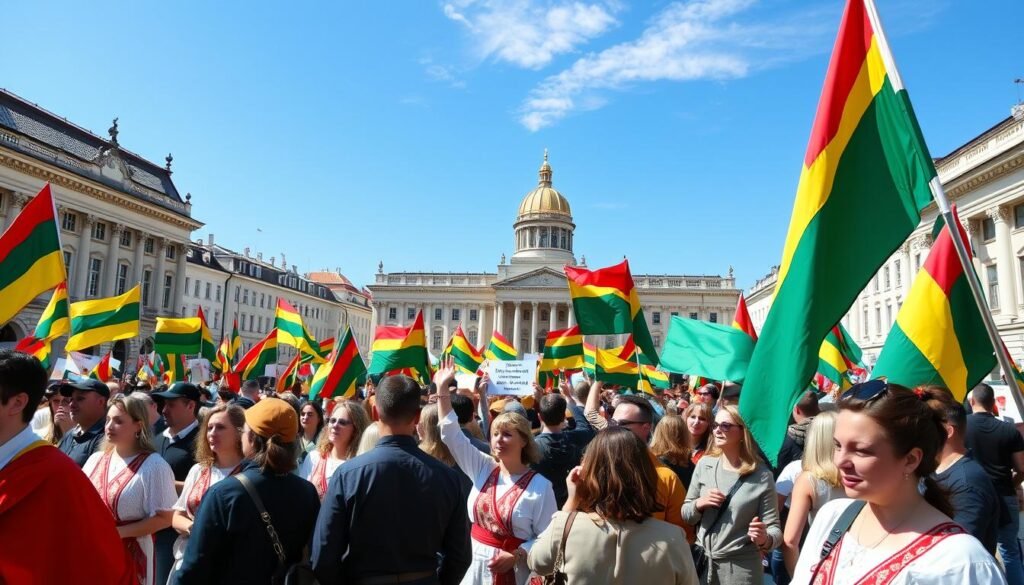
181, 390
244, 402
67, 388
54, 388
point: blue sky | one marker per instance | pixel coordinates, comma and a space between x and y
408, 131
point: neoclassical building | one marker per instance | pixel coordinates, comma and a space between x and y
122, 220
528, 296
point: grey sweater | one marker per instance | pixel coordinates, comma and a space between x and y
755, 497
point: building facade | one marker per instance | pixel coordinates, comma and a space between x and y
528, 295
122, 220
984, 178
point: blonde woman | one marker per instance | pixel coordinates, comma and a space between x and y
218, 456
430, 436
670, 443
698, 419
369, 439
732, 501
136, 484
509, 504
337, 445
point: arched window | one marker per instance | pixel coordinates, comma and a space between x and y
543, 237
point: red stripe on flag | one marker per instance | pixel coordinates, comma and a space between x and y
617, 277
38, 210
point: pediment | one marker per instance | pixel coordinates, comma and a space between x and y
543, 277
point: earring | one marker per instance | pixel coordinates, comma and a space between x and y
138, 435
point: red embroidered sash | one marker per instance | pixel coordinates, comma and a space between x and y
110, 492
319, 477
493, 525
885, 572
199, 489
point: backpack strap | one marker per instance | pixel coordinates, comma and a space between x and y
839, 529
264, 516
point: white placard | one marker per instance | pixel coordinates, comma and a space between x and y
199, 370
271, 370
1005, 405
533, 357
465, 381
58, 369
512, 377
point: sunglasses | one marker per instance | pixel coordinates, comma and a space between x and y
703, 394
339, 421
625, 423
867, 391
725, 426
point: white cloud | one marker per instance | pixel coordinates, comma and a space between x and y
441, 73
530, 33
687, 41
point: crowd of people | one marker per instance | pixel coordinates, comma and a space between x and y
441, 484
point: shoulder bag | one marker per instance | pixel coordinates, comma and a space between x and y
701, 560
295, 574
558, 577
840, 528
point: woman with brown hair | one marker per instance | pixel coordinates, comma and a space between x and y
670, 443
510, 504
136, 484
218, 456
337, 445
887, 445
732, 501
698, 419
609, 535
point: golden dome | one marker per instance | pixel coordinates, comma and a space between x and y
545, 198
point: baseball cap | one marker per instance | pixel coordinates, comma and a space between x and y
181, 390
85, 386
273, 417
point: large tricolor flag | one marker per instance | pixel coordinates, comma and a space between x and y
939, 336
102, 320
255, 361
290, 376
31, 261
395, 348
178, 335
208, 349
839, 357
173, 366
38, 348
866, 165
467, 358
291, 331
342, 372
54, 321
606, 302
742, 319
563, 352
500, 349
236, 342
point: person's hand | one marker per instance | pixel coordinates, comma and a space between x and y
712, 499
444, 376
572, 481
538, 393
758, 532
501, 562
187, 531
481, 386
62, 418
565, 388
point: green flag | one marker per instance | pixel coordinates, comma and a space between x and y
719, 352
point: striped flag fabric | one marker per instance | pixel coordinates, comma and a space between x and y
866, 165
326, 347
102, 371
652, 378
563, 351
223, 362
742, 319
178, 335
54, 321
173, 368
500, 349
255, 361
611, 368
41, 349
606, 302
208, 349
939, 336
341, 374
290, 376
839, 357
291, 331
31, 260
236, 342
395, 348
102, 320
467, 358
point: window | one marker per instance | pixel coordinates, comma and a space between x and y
435, 340
147, 280
95, 269
126, 238
216, 320
67, 264
474, 315
885, 277
392, 313
241, 325
218, 293
609, 341
251, 320
657, 341
208, 287
878, 320
992, 277
543, 315
874, 283
263, 299
561, 315
1018, 216
69, 221
693, 316
456, 314
148, 245
714, 317
238, 291
410, 312
99, 231
656, 317
988, 229
899, 277
674, 313
438, 314
543, 237
917, 262
472, 336
122, 278
169, 252
864, 323
888, 315
168, 290
245, 296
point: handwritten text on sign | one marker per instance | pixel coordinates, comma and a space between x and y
513, 377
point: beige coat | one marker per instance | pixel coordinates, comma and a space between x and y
602, 552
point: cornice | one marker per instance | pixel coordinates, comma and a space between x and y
960, 187
90, 189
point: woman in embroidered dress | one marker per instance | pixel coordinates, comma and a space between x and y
887, 443
218, 455
311, 419
698, 422
136, 484
510, 505
339, 444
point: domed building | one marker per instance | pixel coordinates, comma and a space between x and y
528, 297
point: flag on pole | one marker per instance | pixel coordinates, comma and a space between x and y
290, 376
54, 321
742, 319
208, 350
395, 348
178, 335
866, 165
174, 368
102, 371
255, 361
342, 372
716, 351
291, 331
31, 260
223, 362
563, 352
939, 336
606, 302
839, 357
102, 320
236, 343
500, 349
468, 359
40, 349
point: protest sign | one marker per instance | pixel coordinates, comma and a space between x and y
512, 377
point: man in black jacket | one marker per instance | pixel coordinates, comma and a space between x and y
793, 445
391, 513
560, 449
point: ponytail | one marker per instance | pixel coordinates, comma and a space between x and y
936, 496
273, 454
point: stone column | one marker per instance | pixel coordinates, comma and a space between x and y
428, 315
571, 316
156, 288
499, 317
463, 317
82, 262
110, 272
533, 326
1004, 263
179, 278
517, 324
374, 315
552, 317
445, 320
139, 238
18, 202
